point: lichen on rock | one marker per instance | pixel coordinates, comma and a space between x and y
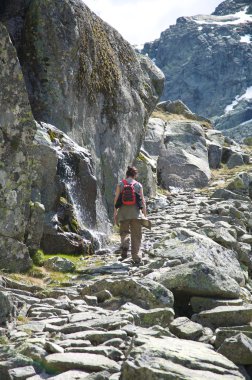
17, 129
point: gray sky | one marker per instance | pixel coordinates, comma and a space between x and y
141, 21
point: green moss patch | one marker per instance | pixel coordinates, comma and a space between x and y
99, 60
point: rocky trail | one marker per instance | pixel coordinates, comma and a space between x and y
185, 313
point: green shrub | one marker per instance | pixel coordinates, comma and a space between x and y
38, 258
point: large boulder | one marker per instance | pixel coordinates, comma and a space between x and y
66, 186
199, 304
183, 328
233, 155
59, 264
183, 159
147, 318
144, 293
199, 279
147, 173
42, 167
223, 333
242, 182
225, 316
88, 362
154, 136
170, 358
190, 247
85, 79
227, 195
238, 349
215, 137
17, 129
214, 155
69, 243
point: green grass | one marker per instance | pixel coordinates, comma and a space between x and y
21, 319
225, 171
3, 340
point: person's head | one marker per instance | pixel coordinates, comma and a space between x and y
131, 172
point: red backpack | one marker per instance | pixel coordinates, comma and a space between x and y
128, 193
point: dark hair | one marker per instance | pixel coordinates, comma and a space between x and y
131, 171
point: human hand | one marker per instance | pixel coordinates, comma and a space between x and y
145, 212
115, 218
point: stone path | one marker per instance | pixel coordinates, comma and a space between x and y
162, 320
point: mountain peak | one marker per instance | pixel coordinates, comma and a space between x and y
228, 7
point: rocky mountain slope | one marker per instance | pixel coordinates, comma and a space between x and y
183, 147
207, 64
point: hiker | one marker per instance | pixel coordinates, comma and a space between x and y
129, 209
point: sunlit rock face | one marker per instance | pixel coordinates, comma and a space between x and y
86, 80
41, 168
75, 99
17, 170
207, 63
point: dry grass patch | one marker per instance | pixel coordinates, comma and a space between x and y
223, 176
225, 172
167, 117
161, 191
26, 279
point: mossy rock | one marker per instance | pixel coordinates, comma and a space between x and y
52, 135
59, 264
74, 225
63, 201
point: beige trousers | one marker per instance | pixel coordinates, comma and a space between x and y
131, 230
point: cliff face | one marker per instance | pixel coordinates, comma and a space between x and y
75, 99
17, 132
207, 59
84, 79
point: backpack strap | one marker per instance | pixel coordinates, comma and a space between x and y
125, 182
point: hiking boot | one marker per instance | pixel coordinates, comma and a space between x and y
124, 254
136, 260
137, 264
